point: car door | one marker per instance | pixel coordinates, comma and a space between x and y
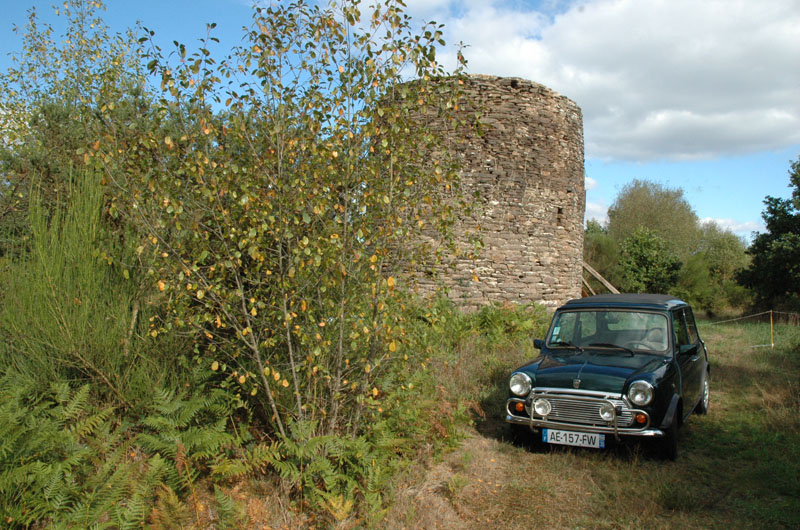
690, 355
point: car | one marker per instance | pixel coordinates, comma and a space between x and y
613, 366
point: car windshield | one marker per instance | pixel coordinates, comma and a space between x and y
621, 330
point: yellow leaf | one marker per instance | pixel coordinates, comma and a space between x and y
393, 346
367, 368
242, 379
266, 371
161, 285
285, 383
390, 282
276, 376
215, 366
374, 392
253, 312
341, 69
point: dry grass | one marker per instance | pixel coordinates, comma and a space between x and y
738, 466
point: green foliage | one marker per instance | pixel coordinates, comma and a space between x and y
70, 300
601, 251
664, 211
62, 94
66, 464
710, 255
648, 263
774, 273
276, 224
250, 218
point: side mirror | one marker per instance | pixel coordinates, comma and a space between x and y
538, 344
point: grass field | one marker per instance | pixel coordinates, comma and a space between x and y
738, 467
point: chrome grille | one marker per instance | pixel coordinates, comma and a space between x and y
582, 410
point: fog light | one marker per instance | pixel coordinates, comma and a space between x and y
542, 407
641, 418
519, 406
607, 411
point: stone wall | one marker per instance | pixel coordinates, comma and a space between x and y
527, 165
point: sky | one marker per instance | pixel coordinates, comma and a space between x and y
702, 95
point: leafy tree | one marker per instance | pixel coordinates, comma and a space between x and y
664, 211
774, 272
57, 100
601, 251
280, 222
647, 263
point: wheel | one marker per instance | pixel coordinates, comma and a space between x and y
702, 407
668, 445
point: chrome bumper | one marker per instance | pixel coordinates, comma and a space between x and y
544, 424
578, 408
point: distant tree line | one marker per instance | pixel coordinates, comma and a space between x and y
654, 242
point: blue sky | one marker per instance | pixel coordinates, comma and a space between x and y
704, 96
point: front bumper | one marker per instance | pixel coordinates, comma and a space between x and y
577, 412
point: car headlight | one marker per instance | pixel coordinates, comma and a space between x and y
542, 407
606, 411
520, 384
640, 393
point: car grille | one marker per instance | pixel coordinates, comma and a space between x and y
582, 410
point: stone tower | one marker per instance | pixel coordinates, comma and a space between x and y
527, 167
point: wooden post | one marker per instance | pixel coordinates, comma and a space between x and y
771, 330
602, 280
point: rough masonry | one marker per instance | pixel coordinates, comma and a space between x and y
527, 165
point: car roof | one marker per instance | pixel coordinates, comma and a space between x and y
644, 301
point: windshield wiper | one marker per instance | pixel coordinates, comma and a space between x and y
562, 343
609, 345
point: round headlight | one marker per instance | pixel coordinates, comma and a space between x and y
520, 384
607, 411
640, 393
542, 407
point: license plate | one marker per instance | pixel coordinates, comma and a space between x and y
577, 439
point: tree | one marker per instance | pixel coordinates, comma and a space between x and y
774, 272
279, 221
662, 210
647, 263
601, 251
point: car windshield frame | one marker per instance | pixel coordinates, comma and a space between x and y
614, 329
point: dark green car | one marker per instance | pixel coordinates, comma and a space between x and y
618, 365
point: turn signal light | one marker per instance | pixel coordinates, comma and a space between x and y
519, 407
641, 418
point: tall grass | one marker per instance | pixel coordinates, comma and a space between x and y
70, 301
738, 466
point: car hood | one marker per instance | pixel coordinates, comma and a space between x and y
600, 370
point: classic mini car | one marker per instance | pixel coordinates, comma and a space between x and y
622, 365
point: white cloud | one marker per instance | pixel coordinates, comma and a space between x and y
744, 229
597, 211
656, 79
590, 183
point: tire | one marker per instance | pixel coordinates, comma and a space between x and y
702, 406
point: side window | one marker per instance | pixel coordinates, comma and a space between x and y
694, 337
681, 335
